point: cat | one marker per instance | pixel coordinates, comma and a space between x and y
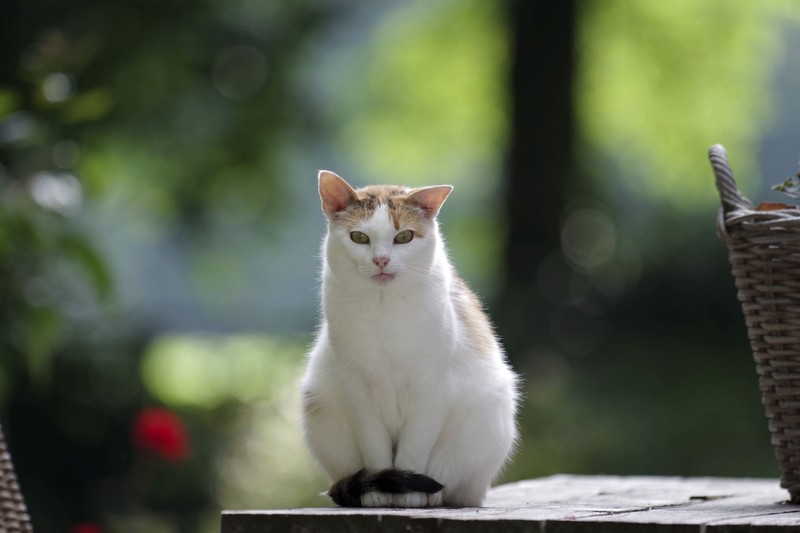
407, 398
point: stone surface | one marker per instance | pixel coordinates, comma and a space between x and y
564, 504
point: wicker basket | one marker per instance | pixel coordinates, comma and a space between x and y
13, 514
764, 251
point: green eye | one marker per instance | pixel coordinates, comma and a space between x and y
404, 237
359, 237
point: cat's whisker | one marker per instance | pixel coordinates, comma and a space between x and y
422, 274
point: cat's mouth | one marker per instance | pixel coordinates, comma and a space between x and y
383, 277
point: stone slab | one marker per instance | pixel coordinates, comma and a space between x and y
563, 504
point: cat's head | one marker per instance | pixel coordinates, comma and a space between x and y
382, 233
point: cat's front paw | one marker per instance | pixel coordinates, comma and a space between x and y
411, 499
376, 499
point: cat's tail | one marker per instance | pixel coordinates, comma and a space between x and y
347, 492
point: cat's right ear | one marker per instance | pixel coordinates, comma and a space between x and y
336, 194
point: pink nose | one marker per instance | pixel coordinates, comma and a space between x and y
381, 260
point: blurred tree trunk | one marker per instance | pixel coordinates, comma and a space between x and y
540, 166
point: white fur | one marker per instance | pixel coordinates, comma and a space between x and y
393, 375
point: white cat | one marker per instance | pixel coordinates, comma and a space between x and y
407, 389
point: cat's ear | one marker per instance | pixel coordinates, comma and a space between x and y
336, 194
430, 199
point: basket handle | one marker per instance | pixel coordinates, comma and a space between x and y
730, 196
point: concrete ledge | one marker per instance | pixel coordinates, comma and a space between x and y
564, 504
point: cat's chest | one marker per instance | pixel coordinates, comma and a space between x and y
395, 332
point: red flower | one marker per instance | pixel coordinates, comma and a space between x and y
162, 432
85, 527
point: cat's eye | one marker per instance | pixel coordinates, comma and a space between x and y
404, 237
359, 237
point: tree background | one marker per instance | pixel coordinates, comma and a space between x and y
159, 228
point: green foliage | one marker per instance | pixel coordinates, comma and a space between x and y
431, 103
251, 378
661, 81
790, 186
175, 108
206, 371
40, 255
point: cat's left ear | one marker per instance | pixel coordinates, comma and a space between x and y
430, 199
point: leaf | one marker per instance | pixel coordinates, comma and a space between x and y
789, 187
88, 106
83, 253
9, 102
43, 330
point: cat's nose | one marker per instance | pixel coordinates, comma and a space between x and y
381, 260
